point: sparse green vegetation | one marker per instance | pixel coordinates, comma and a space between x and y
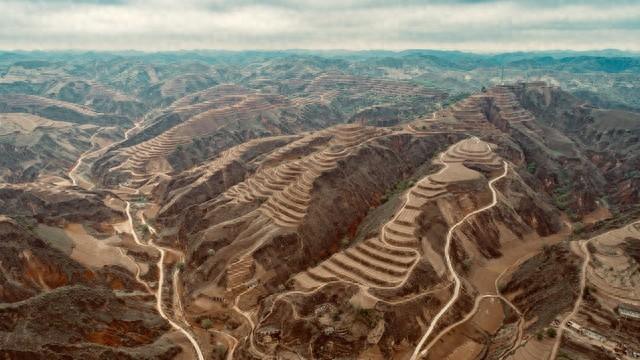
142, 229
466, 264
634, 174
531, 168
140, 199
345, 241
578, 228
563, 193
401, 186
28, 223
206, 323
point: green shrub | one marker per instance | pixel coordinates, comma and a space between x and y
345, 241
206, 323
466, 264
531, 167
578, 227
635, 174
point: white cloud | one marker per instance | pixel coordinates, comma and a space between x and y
329, 24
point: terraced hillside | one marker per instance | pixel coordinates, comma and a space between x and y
209, 121
239, 227
267, 227
397, 239
312, 206
382, 272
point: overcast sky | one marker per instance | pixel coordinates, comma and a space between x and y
481, 26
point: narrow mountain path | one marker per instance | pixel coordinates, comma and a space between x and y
474, 310
75, 180
576, 305
73, 172
159, 291
447, 253
366, 287
521, 319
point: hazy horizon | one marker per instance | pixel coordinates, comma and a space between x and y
478, 26
321, 51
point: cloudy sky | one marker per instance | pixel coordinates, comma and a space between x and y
480, 25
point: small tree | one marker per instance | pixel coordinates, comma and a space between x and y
466, 264
531, 167
578, 227
551, 332
345, 241
206, 323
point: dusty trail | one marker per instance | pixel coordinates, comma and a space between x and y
447, 252
366, 288
159, 292
72, 173
521, 319
576, 306
160, 265
476, 305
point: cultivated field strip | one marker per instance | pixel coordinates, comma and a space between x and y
510, 108
284, 192
285, 189
386, 261
471, 113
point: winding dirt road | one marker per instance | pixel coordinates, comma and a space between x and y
72, 173
160, 265
474, 310
576, 306
447, 253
